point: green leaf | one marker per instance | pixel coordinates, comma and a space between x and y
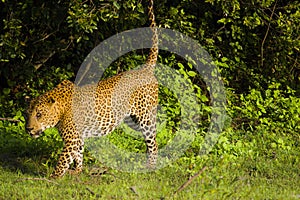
192, 73
180, 65
6, 91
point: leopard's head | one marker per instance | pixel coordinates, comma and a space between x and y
42, 113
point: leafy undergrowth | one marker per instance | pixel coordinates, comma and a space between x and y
240, 169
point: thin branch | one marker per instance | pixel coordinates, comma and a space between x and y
265, 37
66, 48
9, 119
46, 37
42, 62
133, 189
37, 179
91, 191
189, 181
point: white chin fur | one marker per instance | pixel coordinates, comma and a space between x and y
36, 136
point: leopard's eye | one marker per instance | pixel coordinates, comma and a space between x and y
38, 115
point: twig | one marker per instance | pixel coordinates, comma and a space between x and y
133, 189
189, 181
36, 179
9, 119
43, 61
91, 191
265, 37
46, 37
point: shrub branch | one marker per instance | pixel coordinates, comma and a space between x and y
265, 37
9, 119
189, 181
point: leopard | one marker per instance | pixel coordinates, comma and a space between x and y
97, 109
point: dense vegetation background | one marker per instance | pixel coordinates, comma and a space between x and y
254, 43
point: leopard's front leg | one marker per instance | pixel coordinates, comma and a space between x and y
72, 151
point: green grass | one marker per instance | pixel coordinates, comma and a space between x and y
242, 179
25, 166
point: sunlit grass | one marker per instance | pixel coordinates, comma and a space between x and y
261, 174
242, 179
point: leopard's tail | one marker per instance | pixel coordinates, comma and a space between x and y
153, 54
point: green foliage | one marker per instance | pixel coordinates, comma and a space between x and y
273, 110
252, 42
